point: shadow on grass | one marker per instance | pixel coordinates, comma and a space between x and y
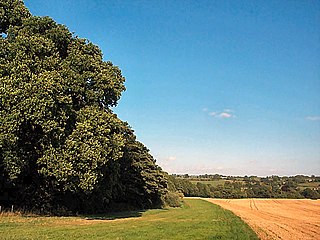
113, 216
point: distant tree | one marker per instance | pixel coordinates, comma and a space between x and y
310, 193
204, 190
289, 185
299, 179
246, 187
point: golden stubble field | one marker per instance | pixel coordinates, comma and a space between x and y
277, 218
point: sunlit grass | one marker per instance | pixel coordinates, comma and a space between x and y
197, 219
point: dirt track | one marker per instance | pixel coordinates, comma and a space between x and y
277, 218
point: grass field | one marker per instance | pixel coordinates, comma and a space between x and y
214, 183
309, 185
197, 219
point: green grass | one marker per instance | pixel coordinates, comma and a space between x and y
197, 219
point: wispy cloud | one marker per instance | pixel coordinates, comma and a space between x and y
171, 158
313, 118
225, 114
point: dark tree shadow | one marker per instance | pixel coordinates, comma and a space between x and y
113, 216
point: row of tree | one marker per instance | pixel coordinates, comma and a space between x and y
246, 187
62, 148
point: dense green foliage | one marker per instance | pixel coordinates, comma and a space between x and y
197, 219
218, 186
61, 145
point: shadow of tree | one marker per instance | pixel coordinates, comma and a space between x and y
113, 216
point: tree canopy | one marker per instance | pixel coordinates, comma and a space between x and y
59, 138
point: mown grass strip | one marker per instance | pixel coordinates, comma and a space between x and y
197, 219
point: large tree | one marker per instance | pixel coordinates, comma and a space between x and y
59, 138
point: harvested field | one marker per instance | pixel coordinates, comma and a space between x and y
277, 218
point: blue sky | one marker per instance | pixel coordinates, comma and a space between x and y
228, 87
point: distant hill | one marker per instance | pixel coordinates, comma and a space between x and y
220, 186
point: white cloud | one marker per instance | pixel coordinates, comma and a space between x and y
313, 118
225, 115
171, 158
222, 115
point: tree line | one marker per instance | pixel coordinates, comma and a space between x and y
62, 147
246, 187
